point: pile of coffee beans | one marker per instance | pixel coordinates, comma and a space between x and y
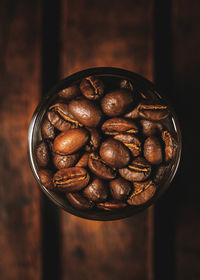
105, 145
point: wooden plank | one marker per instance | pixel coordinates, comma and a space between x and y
20, 256
186, 61
107, 33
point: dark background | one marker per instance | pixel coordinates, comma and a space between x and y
44, 41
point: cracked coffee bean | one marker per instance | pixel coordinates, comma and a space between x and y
92, 88
119, 125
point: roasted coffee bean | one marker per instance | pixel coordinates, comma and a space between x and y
83, 161
138, 170
143, 192
86, 112
153, 112
62, 110
111, 205
117, 102
95, 139
47, 130
100, 168
70, 92
170, 145
46, 178
58, 122
92, 87
153, 150
42, 154
71, 179
131, 142
150, 128
78, 201
127, 84
119, 125
65, 161
160, 173
120, 189
96, 191
70, 141
114, 153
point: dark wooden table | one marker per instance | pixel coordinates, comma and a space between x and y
42, 42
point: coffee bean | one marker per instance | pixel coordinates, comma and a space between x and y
83, 161
70, 92
160, 173
100, 168
119, 125
114, 153
170, 145
47, 130
70, 141
131, 142
120, 189
95, 139
46, 178
117, 102
153, 112
58, 122
138, 170
65, 161
42, 154
111, 205
126, 84
153, 150
96, 191
78, 201
92, 87
62, 110
150, 128
86, 112
143, 192
71, 179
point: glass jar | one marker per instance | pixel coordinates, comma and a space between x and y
114, 75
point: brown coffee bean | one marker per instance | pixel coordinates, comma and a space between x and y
114, 153
86, 112
119, 125
131, 142
96, 191
92, 87
70, 141
46, 178
70, 92
47, 130
42, 154
111, 205
65, 161
143, 192
153, 112
100, 168
170, 145
133, 114
95, 139
78, 201
150, 128
153, 150
138, 170
62, 110
160, 173
71, 179
83, 161
117, 102
58, 122
120, 189
127, 84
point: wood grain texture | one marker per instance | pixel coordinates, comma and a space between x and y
19, 90
186, 62
107, 33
